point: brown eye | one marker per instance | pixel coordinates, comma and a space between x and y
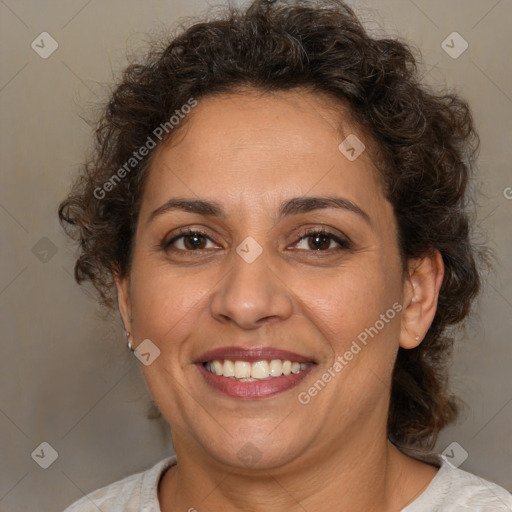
320, 241
188, 241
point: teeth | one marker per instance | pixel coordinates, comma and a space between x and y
295, 367
242, 370
217, 367
227, 369
260, 370
250, 372
276, 368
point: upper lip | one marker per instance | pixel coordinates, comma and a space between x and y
251, 355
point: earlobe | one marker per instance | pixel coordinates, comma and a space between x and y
421, 293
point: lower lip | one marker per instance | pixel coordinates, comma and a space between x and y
253, 390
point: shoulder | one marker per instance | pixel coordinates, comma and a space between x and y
456, 490
137, 492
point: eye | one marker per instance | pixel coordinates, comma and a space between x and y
321, 240
188, 240
318, 240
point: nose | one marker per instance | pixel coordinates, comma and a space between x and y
251, 294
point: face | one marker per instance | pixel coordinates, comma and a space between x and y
253, 272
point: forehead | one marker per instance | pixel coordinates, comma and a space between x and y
254, 148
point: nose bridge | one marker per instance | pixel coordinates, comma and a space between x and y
251, 291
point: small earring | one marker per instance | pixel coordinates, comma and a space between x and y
417, 338
129, 341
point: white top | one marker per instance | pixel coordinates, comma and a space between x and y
451, 490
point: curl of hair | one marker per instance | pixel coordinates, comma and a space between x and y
426, 144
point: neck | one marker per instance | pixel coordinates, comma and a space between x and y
355, 477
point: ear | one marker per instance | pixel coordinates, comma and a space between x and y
421, 291
123, 299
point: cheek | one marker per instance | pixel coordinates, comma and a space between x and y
165, 305
345, 302
358, 315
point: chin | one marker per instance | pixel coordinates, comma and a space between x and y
256, 450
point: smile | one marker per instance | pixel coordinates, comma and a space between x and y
246, 371
253, 373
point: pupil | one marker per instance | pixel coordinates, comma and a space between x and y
196, 243
317, 241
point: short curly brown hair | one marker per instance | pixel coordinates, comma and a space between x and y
425, 142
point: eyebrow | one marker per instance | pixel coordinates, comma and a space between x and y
294, 206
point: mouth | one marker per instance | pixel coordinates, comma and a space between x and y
245, 371
255, 373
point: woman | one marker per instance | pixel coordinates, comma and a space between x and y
279, 209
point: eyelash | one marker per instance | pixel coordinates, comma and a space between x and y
343, 244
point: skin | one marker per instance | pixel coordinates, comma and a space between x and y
250, 152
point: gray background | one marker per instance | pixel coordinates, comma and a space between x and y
65, 375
